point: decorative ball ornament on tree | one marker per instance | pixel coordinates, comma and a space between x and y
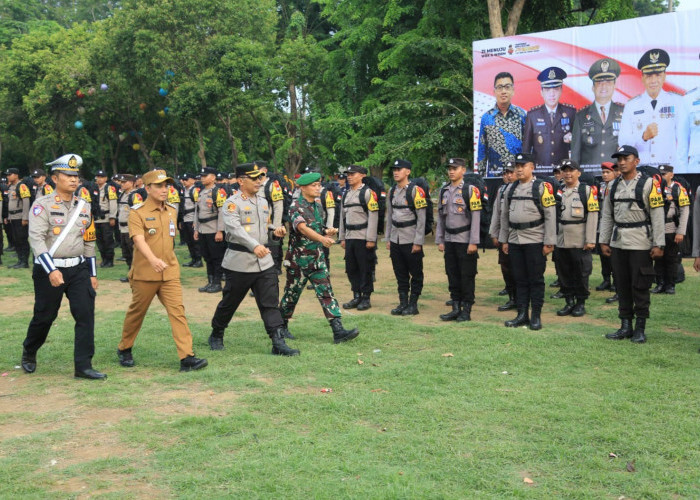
122, 136
142, 106
79, 93
166, 109
91, 91
161, 113
136, 147
163, 91
78, 124
104, 87
81, 110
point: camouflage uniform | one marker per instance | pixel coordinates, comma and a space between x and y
306, 262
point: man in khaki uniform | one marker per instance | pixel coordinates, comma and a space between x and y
62, 237
156, 271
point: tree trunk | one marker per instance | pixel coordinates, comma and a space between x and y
201, 153
495, 21
514, 17
226, 121
293, 160
269, 140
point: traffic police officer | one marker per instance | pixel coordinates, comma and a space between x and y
405, 236
209, 228
359, 217
676, 213
548, 126
18, 203
106, 220
597, 126
248, 264
156, 272
190, 195
576, 238
632, 233
457, 236
62, 237
304, 259
650, 120
528, 235
494, 232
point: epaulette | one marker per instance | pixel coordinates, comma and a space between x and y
137, 206
169, 204
564, 105
535, 108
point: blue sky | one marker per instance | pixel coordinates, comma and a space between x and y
689, 5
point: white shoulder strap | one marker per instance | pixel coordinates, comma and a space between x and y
69, 226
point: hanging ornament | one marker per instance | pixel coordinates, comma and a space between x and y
78, 124
104, 87
136, 147
163, 91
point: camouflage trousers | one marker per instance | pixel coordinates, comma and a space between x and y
308, 268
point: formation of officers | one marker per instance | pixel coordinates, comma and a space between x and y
663, 126
634, 218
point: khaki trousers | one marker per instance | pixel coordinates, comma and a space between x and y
170, 295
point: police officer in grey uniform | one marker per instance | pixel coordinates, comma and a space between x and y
248, 263
190, 194
18, 202
528, 235
548, 126
128, 197
597, 126
494, 232
62, 237
275, 198
457, 235
209, 228
107, 218
358, 236
405, 236
608, 172
677, 212
576, 238
632, 233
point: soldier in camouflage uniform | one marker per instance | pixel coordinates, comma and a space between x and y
305, 256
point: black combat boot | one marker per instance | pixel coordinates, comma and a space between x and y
556, 283
510, 304
624, 332
452, 315
197, 263
448, 303
403, 304
279, 347
340, 334
670, 289
612, 299
215, 286
659, 288
605, 285
579, 309
28, 362
566, 310
191, 363
188, 264
205, 288
356, 297
412, 307
638, 337
364, 302
108, 263
521, 319
503, 292
535, 321
216, 340
466, 313
558, 295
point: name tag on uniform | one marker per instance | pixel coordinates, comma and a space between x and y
639, 112
150, 218
172, 228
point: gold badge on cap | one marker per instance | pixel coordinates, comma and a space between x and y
604, 66
73, 162
654, 57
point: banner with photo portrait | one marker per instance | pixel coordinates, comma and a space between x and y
663, 126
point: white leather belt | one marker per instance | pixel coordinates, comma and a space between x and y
71, 262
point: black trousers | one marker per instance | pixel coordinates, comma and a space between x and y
634, 274
265, 286
359, 265
127, 245
506, 271
213, 253
667, 266
408, 268
606, 269
461, 272
8, 233
47, 301
574, 269
276, 247
528, 265
105, 241
20, 237
187, 234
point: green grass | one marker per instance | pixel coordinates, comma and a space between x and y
407, 423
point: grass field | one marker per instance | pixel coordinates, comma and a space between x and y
418, 408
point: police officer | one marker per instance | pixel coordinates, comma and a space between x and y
632, 233
209, 228
528, 235
41, 186
156, 272
576, 238
248, 263
308, 235
190, 195
548, 126
457, 236
18, 203
689, 133
106, 220
676, 214
129, 196
405, 236
359, 217
650, 120
494, 231
62, 237
275, 199
608, 171
597, 126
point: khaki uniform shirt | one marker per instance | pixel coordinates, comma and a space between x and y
246, 220
352, 214
124, 208
18, 201
108, 202
574, 209
398, 210
455, 211
156, 224
523, 211
190, 194
206, 212
49, 218
632, 238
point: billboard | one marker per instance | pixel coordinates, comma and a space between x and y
564, 113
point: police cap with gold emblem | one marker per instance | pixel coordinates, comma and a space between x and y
654, 61
68, 164
156, 177
551, 77
604, 70
248, 170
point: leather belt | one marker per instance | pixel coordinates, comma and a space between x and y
238, 248
457, 230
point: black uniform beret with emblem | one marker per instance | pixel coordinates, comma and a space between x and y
551, 77
459, 162
101, 173
626, 151
356, 169
522, 158
402, 164
11, 171
664, 169
654, 61
208, 170
569, 164
509, 166
38, 172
